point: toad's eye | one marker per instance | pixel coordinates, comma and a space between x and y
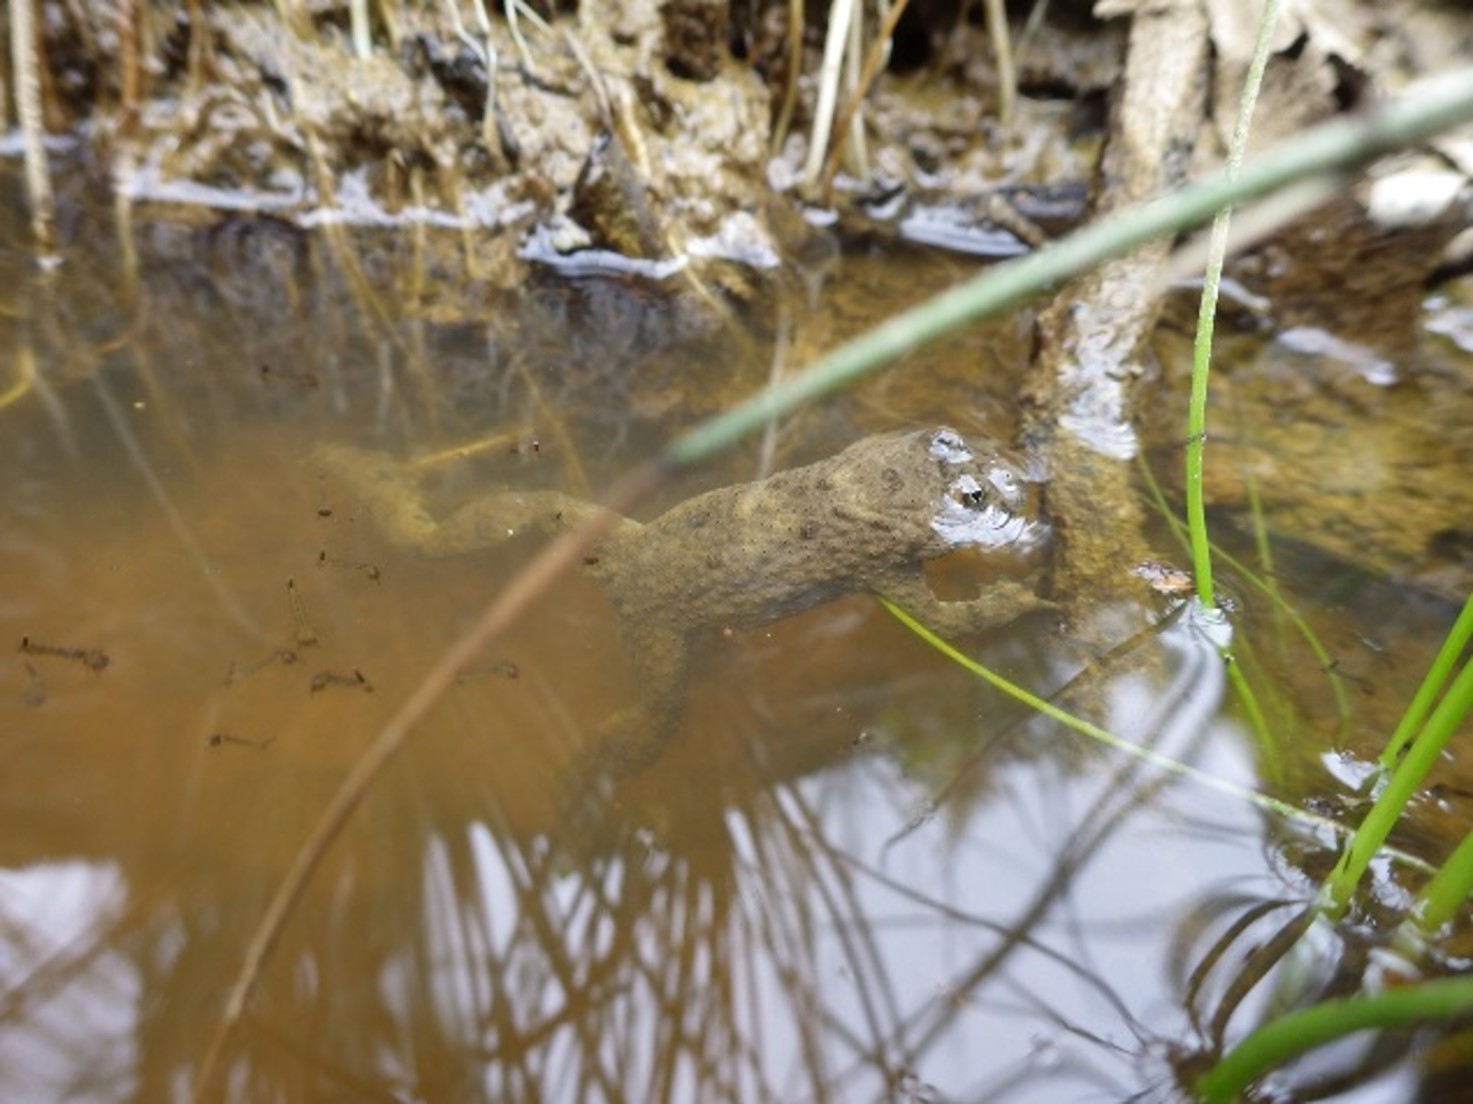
967, 492
977, 513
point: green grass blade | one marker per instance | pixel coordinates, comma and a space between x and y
1110, 740
1207, 314
1275, 1043
1437, 676
1392, 800
1441, 898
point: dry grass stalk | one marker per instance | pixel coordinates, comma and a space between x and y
829, 72
1002, 50
795, 71
25, 51
873, 59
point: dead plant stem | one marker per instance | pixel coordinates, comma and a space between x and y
867, 76
828, 90
790, 84
25, 50
1002, 52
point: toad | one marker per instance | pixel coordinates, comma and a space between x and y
738, 557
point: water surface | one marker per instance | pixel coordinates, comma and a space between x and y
859, 874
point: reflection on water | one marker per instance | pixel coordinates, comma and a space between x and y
857, 875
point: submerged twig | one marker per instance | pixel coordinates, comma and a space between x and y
777, 371
491, 441
557, 424
94, 659
25, 377
302, 631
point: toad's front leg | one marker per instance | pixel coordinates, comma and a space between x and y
631, 739
997, 604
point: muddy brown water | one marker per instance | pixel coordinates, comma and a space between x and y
771, 931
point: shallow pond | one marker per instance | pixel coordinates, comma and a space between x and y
859, 873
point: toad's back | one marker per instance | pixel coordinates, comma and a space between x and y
749, 554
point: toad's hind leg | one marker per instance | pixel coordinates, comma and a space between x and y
393, 499
633, 738
386, 490
499, 517
628, 741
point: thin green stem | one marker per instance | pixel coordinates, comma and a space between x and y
1448, 890
1110, 740
1261, 543
1390, 803
1207, 315
1437, 675
1272, 762
1275, 1043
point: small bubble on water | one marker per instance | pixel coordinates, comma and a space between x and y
913, 1090
1045, 1055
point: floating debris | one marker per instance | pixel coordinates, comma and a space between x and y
1165, 579
504, 668
356, 680
283, 656
306, 380
368, 569
94, 659
220, 739
305, 635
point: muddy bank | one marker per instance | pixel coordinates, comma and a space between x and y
630, 136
